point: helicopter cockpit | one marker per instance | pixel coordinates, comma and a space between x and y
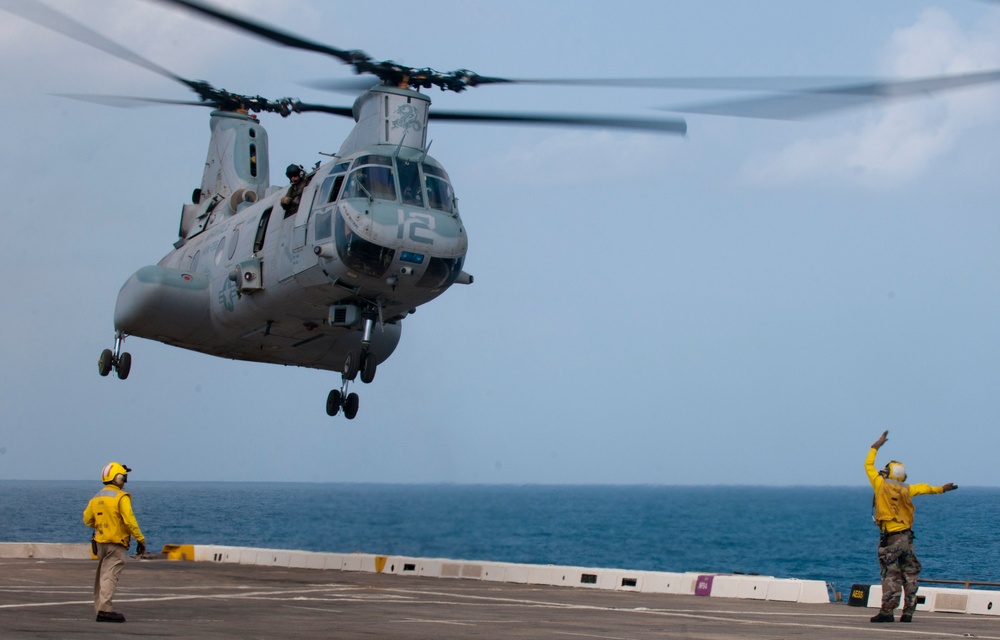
373, 176
388, 180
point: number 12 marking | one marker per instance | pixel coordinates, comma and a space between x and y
418, 227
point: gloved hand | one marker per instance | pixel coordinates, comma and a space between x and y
881, 441
140, 548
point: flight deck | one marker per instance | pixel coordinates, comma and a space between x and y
46, 597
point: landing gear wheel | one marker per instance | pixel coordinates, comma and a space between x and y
351, 406
351, 365
105, 362
368, 366
124, 365
333, 403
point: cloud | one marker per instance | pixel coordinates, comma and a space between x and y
897, 143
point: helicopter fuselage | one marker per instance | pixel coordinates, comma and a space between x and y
376, 235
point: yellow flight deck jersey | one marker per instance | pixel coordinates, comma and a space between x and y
110, 514
893, 507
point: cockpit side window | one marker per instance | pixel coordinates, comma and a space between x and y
324, 191
337, 175
331, 189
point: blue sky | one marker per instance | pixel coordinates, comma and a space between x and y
750, 304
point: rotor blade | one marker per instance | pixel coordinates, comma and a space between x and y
51, 19
388, 71
763, 83
302, 107
353, 85
835, 98
759, 83
661, 125
673, 126
268, 32
129, 102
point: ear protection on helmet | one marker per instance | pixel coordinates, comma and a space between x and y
895, 470
111, 471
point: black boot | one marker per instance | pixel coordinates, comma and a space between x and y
110, 616
882, 616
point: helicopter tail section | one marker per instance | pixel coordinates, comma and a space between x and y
237, 159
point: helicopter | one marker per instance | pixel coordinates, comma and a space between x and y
325, 284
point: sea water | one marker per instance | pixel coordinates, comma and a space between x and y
815, 533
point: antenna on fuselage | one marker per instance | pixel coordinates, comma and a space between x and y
426, 151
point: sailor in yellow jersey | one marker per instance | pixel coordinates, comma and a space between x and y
109, 513
894, 516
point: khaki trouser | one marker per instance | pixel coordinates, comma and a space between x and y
110, 562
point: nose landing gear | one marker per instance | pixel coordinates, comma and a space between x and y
355, 362
120, 362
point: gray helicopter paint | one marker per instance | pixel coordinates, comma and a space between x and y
236, 171
237, 157
191, 298
388, 115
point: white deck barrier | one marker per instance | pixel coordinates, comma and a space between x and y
973, 601
45, 550
942, 600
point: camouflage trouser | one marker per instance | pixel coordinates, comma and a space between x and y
900, 570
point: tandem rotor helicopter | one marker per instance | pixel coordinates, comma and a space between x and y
321, 273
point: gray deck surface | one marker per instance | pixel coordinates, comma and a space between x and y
170, 599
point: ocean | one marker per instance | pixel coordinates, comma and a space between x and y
815, 533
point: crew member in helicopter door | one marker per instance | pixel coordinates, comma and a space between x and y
297, 176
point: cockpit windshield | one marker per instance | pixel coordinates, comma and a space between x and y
409, 183
375, 177
371, 178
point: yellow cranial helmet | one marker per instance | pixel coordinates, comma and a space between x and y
111, 471
896, 471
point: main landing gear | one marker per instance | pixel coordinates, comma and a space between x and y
356, 362
117, 360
